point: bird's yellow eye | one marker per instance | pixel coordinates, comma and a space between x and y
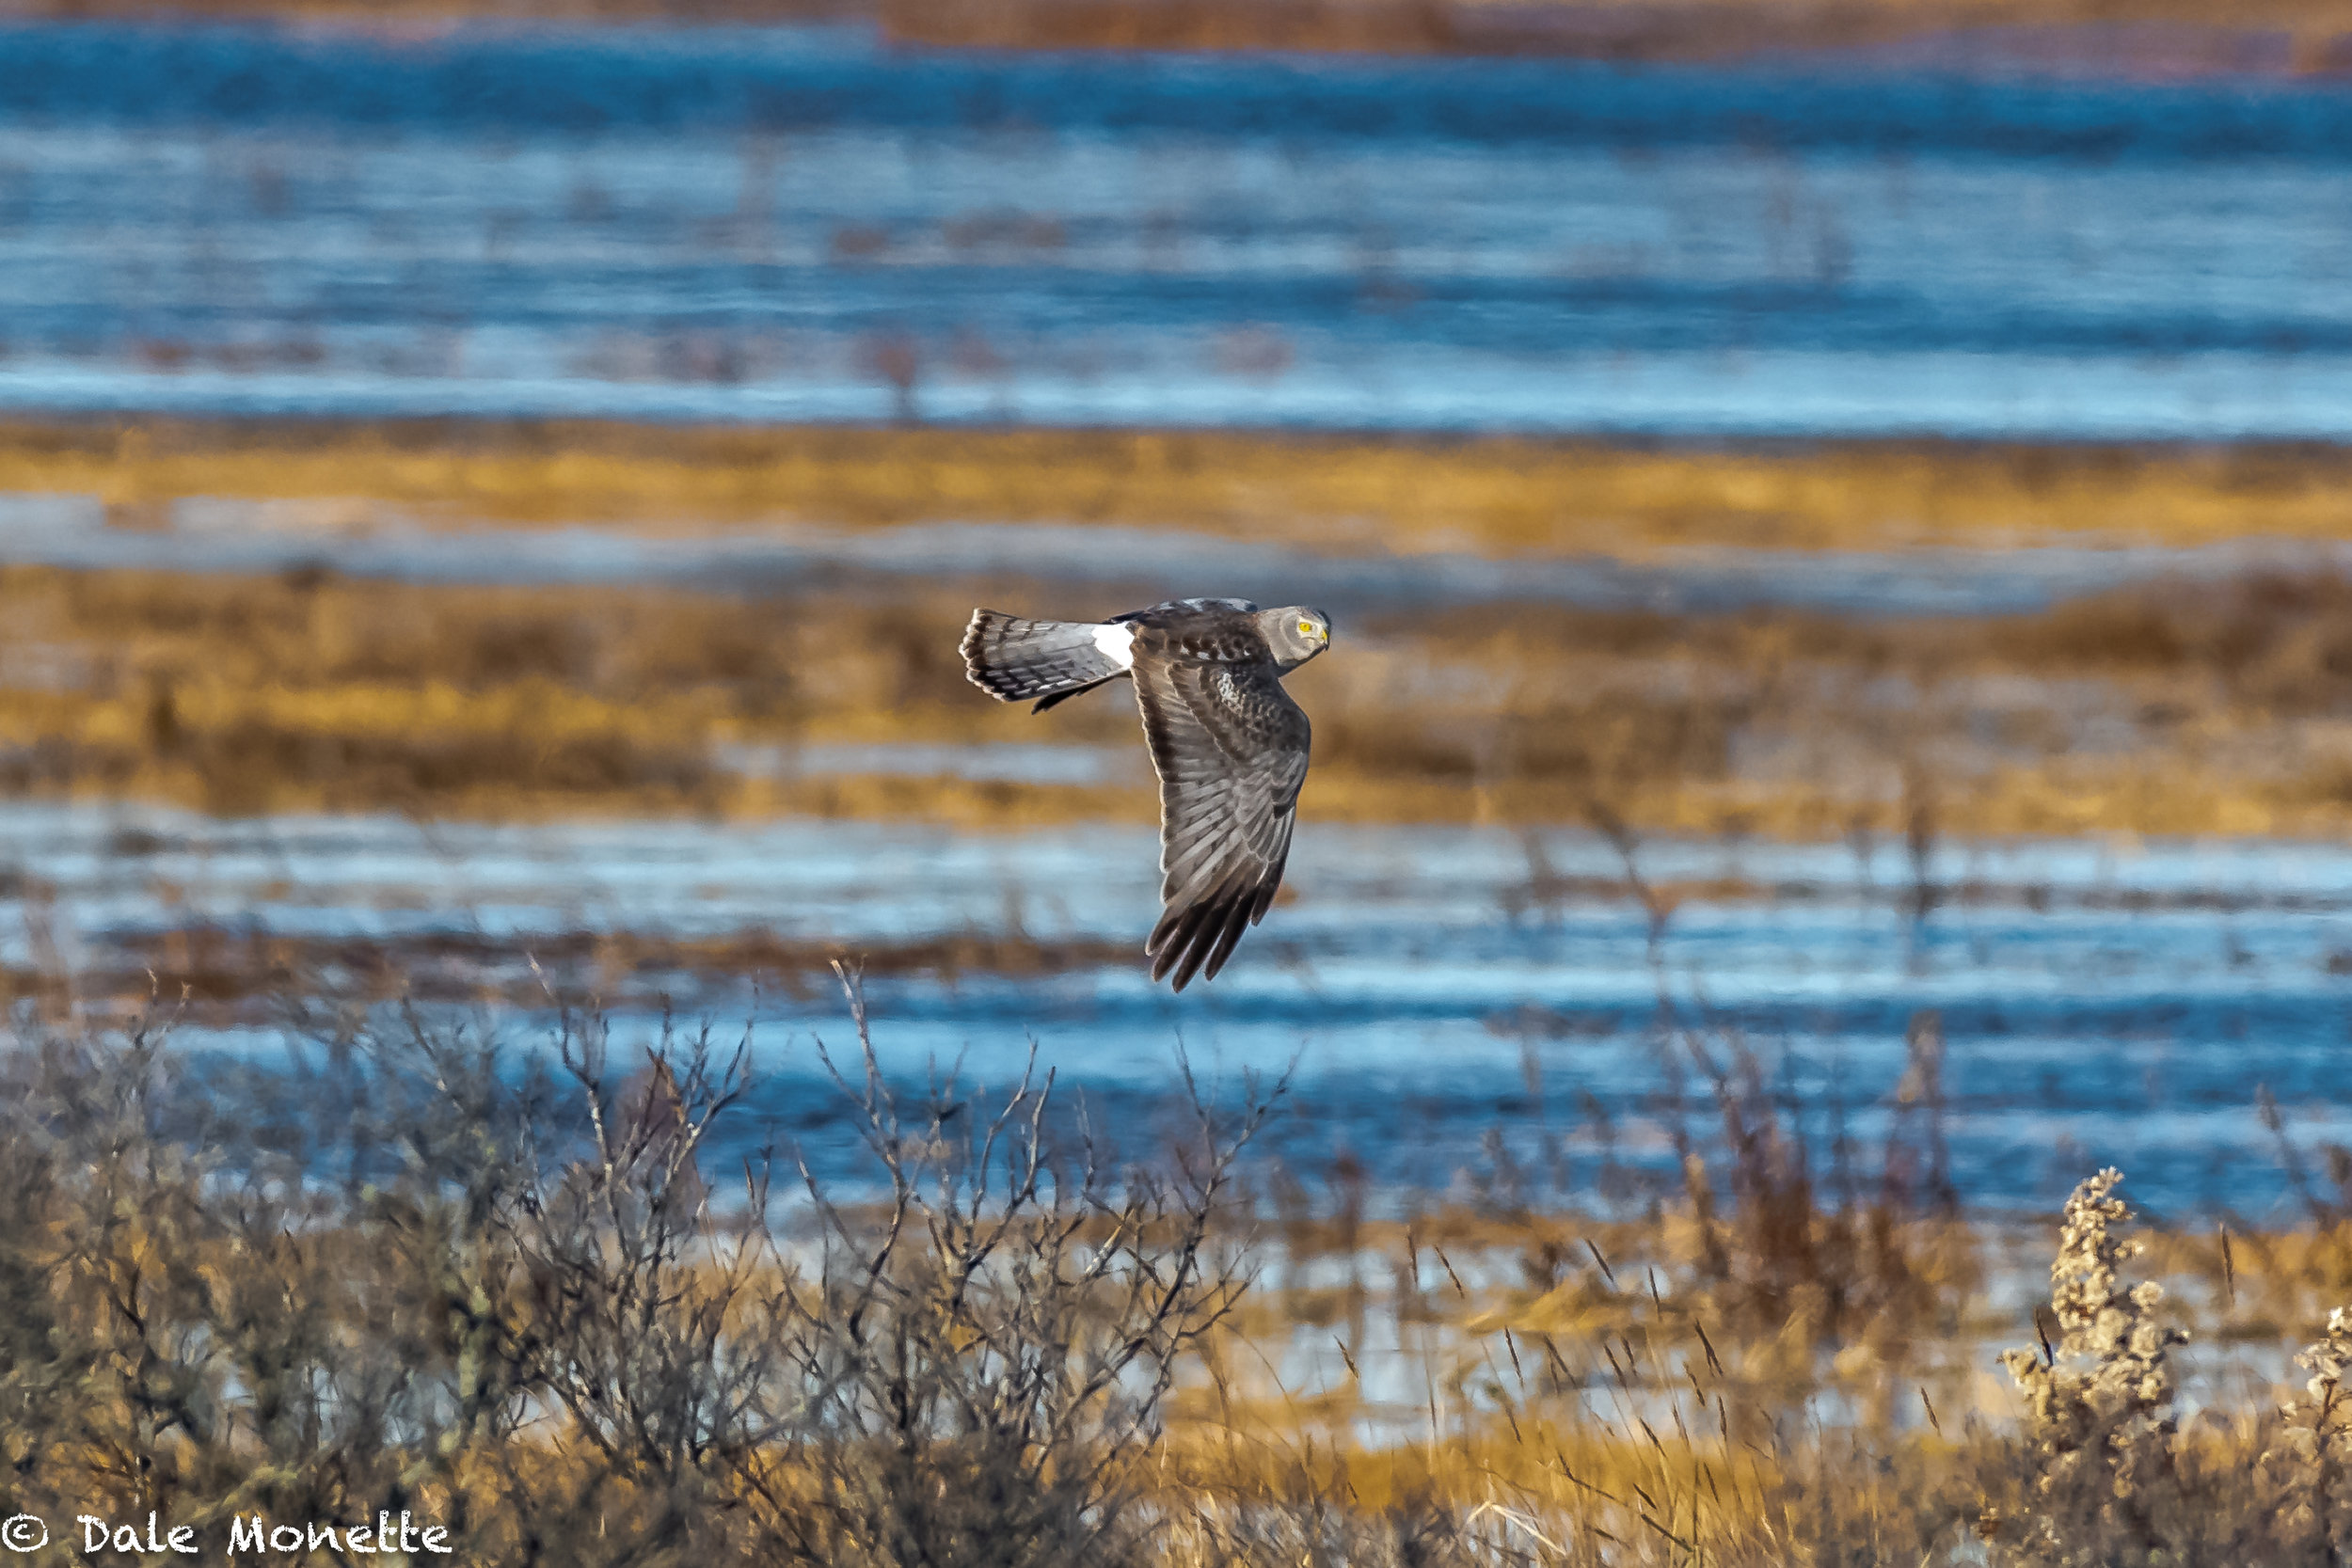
1306, 629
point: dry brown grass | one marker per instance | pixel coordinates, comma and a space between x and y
2200, 38
216, 971
2174, 709
1497, 495
540, 1314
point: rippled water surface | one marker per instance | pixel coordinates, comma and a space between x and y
804, 225
1438, 989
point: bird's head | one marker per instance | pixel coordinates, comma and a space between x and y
1295, 633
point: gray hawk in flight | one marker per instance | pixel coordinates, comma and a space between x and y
1229, 744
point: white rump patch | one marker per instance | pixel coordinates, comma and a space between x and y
1117, 644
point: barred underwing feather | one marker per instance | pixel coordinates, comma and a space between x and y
1230, 749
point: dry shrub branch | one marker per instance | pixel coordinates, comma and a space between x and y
977, 1371
517, 1294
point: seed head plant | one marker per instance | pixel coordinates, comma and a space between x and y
2099, 1426
2306, 1459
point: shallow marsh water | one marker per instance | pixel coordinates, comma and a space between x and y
361, 538
1436, 987
801, 224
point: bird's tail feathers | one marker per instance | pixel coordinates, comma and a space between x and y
1013, 660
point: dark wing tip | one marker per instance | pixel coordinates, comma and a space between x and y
1199, 937
974, 648
1059, 697
1236, 921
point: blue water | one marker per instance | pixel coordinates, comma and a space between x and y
1454, 1002
1121, 565
802, 224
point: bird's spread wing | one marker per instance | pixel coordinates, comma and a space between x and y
1231, 748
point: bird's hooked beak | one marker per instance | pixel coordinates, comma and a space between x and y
1306, 635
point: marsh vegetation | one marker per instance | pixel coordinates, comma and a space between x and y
2175, 707
516, 1297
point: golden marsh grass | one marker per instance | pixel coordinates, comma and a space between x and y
2212, 711
1493, 495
